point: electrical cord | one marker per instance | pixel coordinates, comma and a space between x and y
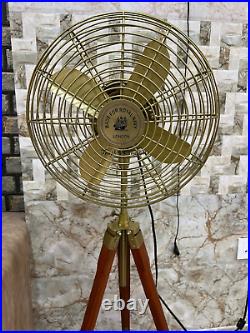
242, 321
156, 247
176, 249
152, 219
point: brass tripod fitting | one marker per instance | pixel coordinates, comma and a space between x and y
125, 232
114, 232
123, 220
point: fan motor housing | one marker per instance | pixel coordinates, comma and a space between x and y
121, 123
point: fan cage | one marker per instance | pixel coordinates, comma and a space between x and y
107, 47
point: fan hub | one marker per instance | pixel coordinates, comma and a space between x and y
121, 123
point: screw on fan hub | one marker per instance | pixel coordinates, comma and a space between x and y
121, 123
114, 90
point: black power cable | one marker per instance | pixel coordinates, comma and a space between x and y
152, 224
176, 249
156, 247
242, 321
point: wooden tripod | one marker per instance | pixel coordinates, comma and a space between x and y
120, 237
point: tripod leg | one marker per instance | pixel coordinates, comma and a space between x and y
124, 278
104, 266
141, 260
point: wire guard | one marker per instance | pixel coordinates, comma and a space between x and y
167, 124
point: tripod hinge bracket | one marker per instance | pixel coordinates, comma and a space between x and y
114, 231
135, 239
111, 239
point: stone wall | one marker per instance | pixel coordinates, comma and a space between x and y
205, 285
12, 197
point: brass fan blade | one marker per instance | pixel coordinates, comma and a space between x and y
164, 146
94, 162
80, 89
152, 66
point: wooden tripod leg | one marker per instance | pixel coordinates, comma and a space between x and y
124, 278
104, 266
142, 262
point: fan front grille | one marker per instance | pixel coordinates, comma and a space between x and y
107, 48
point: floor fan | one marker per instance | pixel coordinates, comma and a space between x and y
123, 111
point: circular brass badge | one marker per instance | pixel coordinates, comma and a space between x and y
121, 123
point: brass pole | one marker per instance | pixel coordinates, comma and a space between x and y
123, 223
123, 259
123, 217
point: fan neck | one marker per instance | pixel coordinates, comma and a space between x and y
123, 220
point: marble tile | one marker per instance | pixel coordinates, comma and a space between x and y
205, 31
85, 9
213, 11
219, 11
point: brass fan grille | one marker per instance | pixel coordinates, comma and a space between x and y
62, 125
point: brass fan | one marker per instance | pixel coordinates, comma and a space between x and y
120, 105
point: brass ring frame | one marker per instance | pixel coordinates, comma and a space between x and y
106, 47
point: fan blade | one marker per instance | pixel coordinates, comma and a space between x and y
164, 146
81, 90
149, 73
94, 162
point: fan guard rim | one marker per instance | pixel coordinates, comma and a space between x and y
132, 202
